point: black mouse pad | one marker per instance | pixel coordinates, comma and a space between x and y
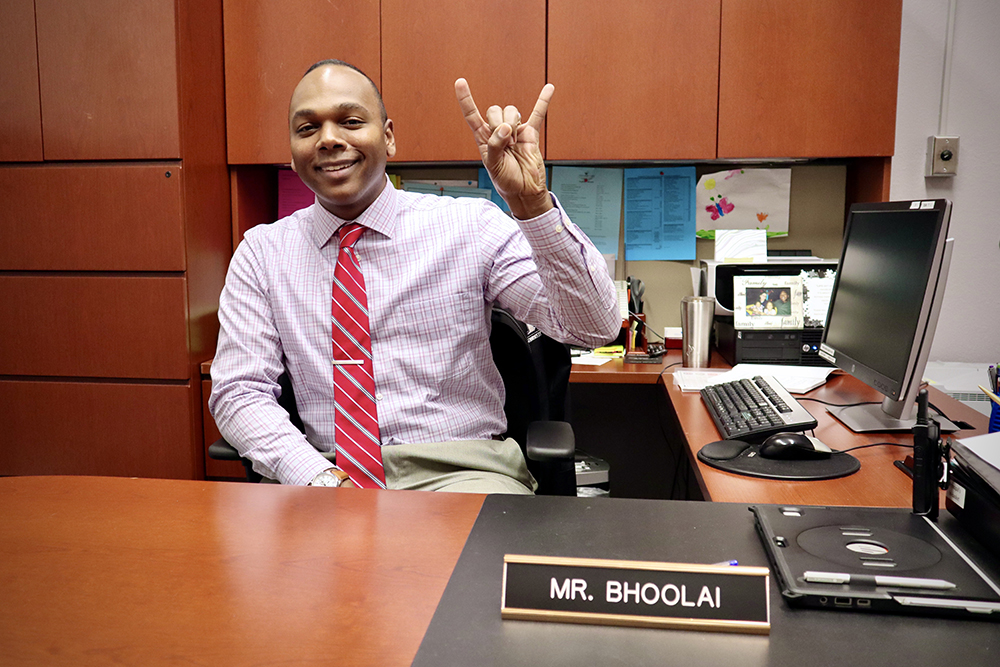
749, 462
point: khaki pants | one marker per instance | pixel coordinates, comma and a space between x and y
465, 466
471, 466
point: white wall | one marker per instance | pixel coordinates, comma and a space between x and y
969, 329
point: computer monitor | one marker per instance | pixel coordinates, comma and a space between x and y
885, 304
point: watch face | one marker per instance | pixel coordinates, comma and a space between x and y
326, 479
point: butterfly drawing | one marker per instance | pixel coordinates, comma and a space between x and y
719, 208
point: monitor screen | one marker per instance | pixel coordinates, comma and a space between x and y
886, 298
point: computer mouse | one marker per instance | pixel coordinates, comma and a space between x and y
794, 447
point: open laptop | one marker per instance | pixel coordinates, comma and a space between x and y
874, 559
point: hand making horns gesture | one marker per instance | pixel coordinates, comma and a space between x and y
510, 150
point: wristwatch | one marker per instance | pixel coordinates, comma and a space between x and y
331, 477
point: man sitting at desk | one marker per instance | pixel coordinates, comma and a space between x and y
400, 378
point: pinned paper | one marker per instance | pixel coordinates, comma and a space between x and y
744, 199
592, 198
740, 245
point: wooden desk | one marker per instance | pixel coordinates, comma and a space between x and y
878, 484
617, 412
156, 572
617, 371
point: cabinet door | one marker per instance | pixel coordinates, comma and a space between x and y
498, 47
108, 79
634, 80
808, 79
20, 114
104, 217
269, 46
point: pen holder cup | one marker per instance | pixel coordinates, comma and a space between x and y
636, 341
994, 417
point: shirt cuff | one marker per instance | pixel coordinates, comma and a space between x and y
551, 230
301, 467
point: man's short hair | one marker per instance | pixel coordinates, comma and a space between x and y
341, 63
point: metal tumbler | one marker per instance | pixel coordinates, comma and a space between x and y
697, 313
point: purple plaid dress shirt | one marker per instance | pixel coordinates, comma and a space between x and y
434, 267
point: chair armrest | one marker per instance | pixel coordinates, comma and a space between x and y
550, 441
223, 451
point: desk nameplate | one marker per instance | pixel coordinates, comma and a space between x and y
645, 594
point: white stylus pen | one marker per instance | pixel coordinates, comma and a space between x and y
877, 580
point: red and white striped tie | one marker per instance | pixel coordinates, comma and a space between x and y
359, 451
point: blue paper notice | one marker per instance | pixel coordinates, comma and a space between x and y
660, 213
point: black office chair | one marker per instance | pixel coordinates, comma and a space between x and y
535, 373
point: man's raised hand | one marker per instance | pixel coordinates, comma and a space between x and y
510, 152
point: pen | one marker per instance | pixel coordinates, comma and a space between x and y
877, 580
993, 397
727, 562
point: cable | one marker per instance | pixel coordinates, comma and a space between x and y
878, 444
668, 366
642, 325
836, 405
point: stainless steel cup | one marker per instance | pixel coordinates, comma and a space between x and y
697, 313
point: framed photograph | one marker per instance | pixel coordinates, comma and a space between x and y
767, 302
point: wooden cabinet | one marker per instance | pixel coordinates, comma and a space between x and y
108, 79
20, 114
114, 240
269, 46
636, 82
498, 47
646, 80
808, 79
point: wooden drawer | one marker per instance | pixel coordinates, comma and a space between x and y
92, 218
88, 326
84, 428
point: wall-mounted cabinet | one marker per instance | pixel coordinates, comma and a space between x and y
648, 80
90, 80
499, 48
808, 79
20, 113
115, 233
638, 82
269, 46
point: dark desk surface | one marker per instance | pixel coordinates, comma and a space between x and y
878, 484
163, 572
467, 629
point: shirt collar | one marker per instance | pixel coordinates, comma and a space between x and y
380, 216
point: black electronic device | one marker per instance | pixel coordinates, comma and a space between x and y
885, 304
799, 347
752, 410
770, 313
877, 560
928, 463
794, 447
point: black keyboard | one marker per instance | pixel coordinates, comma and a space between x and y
752, 410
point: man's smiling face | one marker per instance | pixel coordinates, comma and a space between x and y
339, 140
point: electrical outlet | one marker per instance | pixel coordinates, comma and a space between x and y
942, 156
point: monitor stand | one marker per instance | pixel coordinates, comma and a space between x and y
870, 418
